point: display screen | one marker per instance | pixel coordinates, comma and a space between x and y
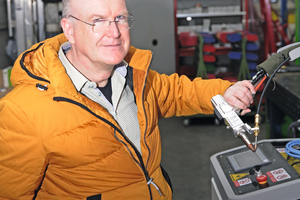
247, 160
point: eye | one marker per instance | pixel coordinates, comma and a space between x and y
99, 20
121, 18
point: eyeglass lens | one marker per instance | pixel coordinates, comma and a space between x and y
123, 23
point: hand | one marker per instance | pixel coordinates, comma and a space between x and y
239, 95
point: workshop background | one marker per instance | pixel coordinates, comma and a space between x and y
204, 38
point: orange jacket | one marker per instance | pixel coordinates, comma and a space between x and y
57, 144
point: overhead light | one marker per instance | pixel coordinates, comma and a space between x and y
189, 19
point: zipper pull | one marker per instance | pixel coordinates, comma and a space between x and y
151, 182
41, 87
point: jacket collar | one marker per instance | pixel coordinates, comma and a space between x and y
78, 79
41, 64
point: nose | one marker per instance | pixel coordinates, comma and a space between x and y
113, 30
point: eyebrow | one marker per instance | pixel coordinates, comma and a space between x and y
96, 16
102, 16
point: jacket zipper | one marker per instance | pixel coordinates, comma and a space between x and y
141, 164
143, 98
151, 180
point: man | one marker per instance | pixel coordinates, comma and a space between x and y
81, 122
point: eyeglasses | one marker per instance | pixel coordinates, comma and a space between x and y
99, 25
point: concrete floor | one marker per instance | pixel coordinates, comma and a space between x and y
186, 153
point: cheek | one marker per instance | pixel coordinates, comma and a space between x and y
127, 41
83, 36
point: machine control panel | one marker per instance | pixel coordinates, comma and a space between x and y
231, 171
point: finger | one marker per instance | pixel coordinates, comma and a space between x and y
249, 97
238, 103
244, 98
249, 85
245, 111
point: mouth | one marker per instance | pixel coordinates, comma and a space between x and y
112, 45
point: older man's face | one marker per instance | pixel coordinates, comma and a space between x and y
107, 47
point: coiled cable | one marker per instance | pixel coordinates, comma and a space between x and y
295, 153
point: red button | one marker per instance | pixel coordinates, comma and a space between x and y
262, 179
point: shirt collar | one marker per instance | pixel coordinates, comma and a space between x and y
78, 79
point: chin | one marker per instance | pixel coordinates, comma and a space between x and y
115, 62
118, 59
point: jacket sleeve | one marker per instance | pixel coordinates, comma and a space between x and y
178, 95
22, 160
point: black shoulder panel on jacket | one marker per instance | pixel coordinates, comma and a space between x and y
96, 197
129, 77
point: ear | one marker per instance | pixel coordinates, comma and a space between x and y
68, 29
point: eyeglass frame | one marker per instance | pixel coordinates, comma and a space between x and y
109, 22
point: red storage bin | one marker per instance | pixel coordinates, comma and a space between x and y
187, 39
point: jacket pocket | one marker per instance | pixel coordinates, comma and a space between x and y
95, 197
167, 178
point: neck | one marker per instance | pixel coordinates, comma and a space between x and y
95, 72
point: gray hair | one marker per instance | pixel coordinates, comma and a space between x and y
66, 8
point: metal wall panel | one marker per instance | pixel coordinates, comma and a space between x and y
5, 61
154, 30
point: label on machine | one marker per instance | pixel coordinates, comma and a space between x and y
278, 175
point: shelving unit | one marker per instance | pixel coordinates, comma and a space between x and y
185, 15
195, 20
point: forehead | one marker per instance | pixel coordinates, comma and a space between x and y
104, 8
